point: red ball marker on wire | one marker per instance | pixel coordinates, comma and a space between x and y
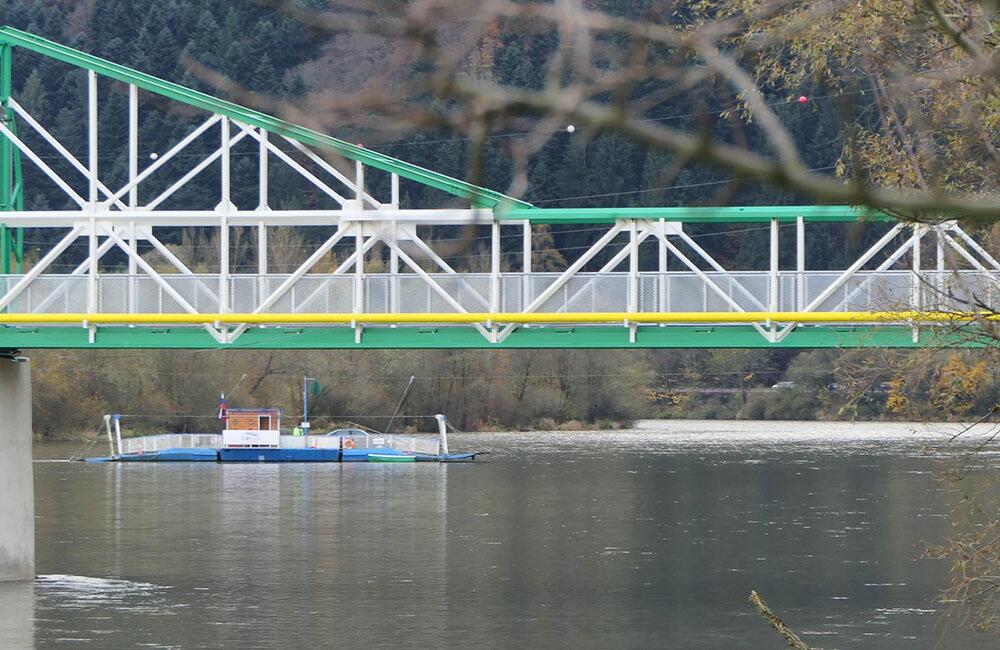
803, 99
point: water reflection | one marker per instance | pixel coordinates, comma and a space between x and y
17, 615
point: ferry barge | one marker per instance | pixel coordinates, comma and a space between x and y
255, 436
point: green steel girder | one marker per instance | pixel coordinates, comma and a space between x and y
737, 214
11, 188
479, 196
454, 337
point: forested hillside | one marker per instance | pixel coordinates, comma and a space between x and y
274, 55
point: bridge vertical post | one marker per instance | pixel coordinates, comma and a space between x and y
800, 264
133, 193
916, 290
224, 206
662, 304
92, 264
633, 267
526, 263
495, 267
773, 286
394, 268
917, 264
263, 202
633, 276
359, 243
939, 283
359, 277
17, 494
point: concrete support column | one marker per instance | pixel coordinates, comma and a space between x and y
17, 490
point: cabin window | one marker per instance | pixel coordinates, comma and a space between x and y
265, 423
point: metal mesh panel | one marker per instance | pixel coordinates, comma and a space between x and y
245, 291
112, 296
589, 292
145, 444
648, 292
377, 296
687, 292
470, 291
50, 295
512, 292
331, 294
673, 291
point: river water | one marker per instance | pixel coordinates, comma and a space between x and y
651, 537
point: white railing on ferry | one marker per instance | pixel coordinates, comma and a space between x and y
411, 444
144, 444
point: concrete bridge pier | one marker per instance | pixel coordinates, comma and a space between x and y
17, 489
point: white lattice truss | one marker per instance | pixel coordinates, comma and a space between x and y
112, 218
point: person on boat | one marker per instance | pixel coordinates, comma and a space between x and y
297, 431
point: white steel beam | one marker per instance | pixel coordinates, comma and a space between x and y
79, 271
800, 263
575, 267
169, 256
974, 245
447, 268
165, 158
38, 268
703, 254
262, 171
288, 160
63, 151
661, 266
438, 289
610, 266
133, 145
199, 168
915, 289
313, 259
525, 261
333, 171
495, 267
845, 304
969, 257
133, 247
33, 157
394, 263
210, 217
340, 270
92, 136
92, 298
854, 268
170, 291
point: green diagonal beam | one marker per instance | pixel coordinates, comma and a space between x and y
479, 196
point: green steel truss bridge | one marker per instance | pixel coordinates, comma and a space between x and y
645, 282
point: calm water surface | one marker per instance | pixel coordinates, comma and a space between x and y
644, 538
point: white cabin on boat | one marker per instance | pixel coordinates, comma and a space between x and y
252, 428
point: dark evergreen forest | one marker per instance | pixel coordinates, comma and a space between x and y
264, 52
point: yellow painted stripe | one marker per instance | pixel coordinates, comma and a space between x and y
515, 317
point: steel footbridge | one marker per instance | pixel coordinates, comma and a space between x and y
375, 276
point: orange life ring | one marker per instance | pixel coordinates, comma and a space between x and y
348, 443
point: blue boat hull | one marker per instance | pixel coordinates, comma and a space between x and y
279, 455
172, 456
259, 455
361, 455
